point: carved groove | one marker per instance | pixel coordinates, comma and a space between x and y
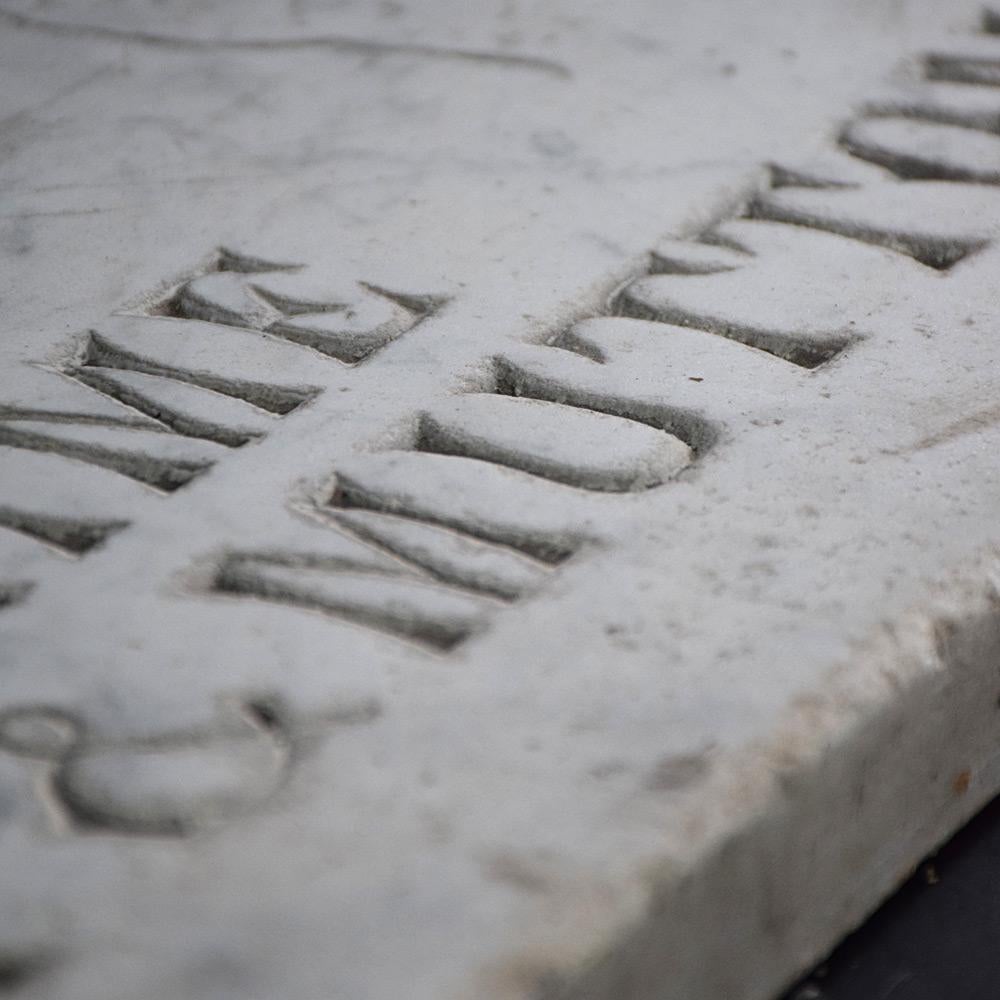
230, 260
939, 253
660, 263
376, 530
84, 419
353, 348
662, 459
567, 340
439, 576
552, 551
170, 784
71, 535
982, 72
179, 423
18, 970
281, 400
695, 258
923, 110
14, 593
805, 353
784, 177
253, 575
990, 22
251, 305
512, 380
163, 474
97, 361
914, 165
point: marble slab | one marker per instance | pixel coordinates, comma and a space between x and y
497, 500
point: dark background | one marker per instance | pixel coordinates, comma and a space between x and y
938, 938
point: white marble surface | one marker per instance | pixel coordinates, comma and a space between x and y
498, 500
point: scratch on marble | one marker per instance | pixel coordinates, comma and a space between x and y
967, 425
337, 43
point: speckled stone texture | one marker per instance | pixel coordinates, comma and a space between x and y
497, 500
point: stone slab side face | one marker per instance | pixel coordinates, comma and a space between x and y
495, 502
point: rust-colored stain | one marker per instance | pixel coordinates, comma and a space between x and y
961, 782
